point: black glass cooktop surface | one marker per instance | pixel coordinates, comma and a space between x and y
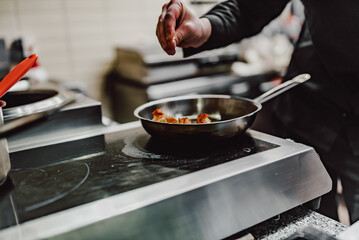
50, 179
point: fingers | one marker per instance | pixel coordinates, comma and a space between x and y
174, 11
160, 28
167, 46
171, 47
166, 26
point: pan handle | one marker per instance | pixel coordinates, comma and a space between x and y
282, 88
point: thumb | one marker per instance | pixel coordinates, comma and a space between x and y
180, 36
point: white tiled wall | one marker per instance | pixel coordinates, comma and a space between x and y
75, 39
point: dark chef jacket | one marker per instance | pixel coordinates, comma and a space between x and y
328, 48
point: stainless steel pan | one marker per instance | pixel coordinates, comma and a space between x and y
230, 116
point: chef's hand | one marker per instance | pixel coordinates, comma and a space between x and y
179, 26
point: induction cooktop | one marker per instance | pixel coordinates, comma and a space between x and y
97, 179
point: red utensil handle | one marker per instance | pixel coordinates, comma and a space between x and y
16, 74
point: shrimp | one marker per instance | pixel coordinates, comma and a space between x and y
203, 118
170, 119
157, 115
184, 120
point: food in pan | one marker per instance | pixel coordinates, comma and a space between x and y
184, 120
159, 116
203, 118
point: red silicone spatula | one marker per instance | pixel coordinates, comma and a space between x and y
16, 74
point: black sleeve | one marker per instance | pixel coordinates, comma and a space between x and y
234, 20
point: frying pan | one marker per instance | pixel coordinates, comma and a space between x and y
230, 116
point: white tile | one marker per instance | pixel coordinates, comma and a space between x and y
85, 57
87, 40
8, 22
85, 16
46, 45
7, 7
80, 29
126, 18
42, 24
154, 6
60, 75
85, 23
121, 30
53, 54
43, 33
83, 4
125, 38
42, 18
55, 42
55, 66
128, 6
86, 33
83, 75
60, 58
92, 63
37, 32
78, 11
39, 6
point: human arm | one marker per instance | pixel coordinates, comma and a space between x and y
230, 21
233, 20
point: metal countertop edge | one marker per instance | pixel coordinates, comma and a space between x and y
83, 133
